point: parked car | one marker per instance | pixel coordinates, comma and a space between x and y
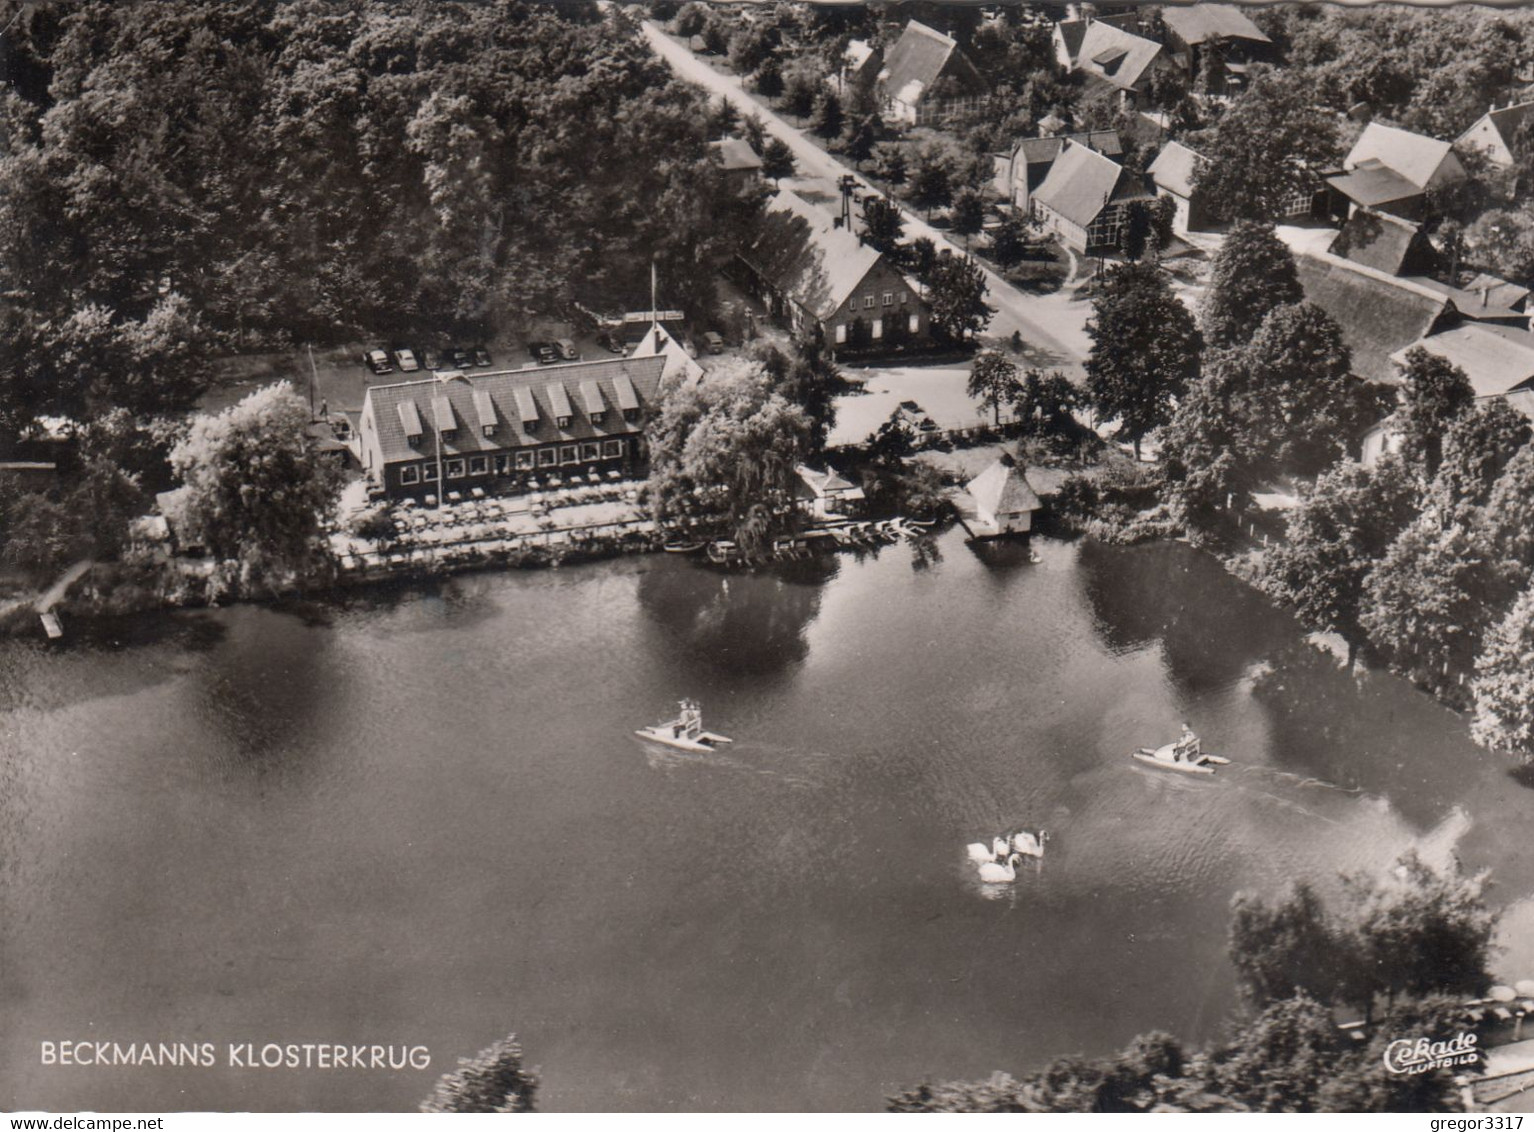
431, 358
462, 359
377, 361
481, 355
713, 343
609, 343
543, 353
404, 357
567, 350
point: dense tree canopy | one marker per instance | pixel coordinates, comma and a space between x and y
253, 489
1269, 146
1253, 273
1145, 349
264, 173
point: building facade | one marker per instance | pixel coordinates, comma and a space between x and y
502, 431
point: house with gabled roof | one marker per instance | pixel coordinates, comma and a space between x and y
860, 66
1495, 133
1085, 197
827, 283
742, 167
1386, 243
1107, 53
926, 78
1175, 175
656, 343
1393, 170
1216, 38
497, 430
1023, 168
826, 493
999, 501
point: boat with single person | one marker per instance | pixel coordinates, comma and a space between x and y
685, 732
683, 547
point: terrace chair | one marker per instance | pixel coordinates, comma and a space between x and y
477, 492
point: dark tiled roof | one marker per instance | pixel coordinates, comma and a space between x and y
1377, 317
513, 395
919, 58
1003, 489
1385, 243
799, 251
1200, 23
1373, 184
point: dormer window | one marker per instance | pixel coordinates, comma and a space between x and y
591, 397
628, 399
527, 409
442, 410
559, 403
484, 409
410, 421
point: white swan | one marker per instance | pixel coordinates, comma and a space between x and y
1005, 872
1028, 844
1000, 847
979, 851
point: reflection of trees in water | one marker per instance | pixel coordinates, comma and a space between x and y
1003, 558
1211, 626
743, 622
265, 688
1375, 732
925, 553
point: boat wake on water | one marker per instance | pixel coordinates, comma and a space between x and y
1303, 780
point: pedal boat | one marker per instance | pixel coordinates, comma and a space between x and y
685, 732
1162, 757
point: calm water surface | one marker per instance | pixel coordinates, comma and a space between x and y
422, 818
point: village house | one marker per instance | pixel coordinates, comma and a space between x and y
860, 66
658, 344
1084, 198
1173, 173
1000, 501
1022, 169
1107, 53
1215, 40
499, 431
1496, 133
1386, 243
926, 78
1497, 360
1393, 170
826, 494
828, 283
742, 167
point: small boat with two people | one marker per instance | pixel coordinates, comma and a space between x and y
685, 732
1185, 754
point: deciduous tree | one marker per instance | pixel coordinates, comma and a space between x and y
956, 297
1253, 272
993, 381
254, 490
1145, 350
494, 1080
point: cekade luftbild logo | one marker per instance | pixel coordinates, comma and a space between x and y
1419, 1055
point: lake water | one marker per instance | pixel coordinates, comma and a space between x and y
421, 818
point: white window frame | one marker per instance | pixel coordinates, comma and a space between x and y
429, 474
569, 454
889, 298
590, 450
548, 457
409, 474
526, 461
453, 469
479, 466
612, 449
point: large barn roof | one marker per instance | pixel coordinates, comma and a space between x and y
799, 250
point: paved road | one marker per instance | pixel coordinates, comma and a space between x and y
1053, 327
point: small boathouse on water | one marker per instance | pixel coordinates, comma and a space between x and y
999, 501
